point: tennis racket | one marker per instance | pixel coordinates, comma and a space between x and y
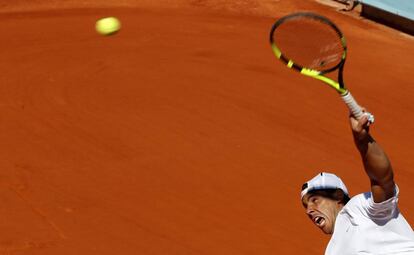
314, 46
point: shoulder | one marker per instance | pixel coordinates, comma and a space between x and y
357, 204
360, 200
363, 204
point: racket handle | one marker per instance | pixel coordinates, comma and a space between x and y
355, 108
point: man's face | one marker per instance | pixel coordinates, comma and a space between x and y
322, 211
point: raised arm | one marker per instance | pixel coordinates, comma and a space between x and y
376, 163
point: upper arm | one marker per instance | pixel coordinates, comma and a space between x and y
383, 188
379, 170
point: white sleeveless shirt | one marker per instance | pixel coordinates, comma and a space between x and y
366, 227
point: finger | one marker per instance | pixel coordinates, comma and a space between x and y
352, 116
363, 122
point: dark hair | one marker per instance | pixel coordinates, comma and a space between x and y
334, 194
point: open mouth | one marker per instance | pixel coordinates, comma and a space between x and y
319, 221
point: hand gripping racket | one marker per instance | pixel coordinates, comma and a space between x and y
314, 46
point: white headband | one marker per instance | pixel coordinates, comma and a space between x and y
324, 181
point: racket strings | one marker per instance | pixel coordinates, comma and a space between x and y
309, 43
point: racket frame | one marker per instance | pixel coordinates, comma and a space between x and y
339, 85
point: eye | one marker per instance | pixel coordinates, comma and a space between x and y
314, 199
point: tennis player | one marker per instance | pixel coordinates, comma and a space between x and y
368, 223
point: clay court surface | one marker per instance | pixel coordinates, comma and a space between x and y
182, 134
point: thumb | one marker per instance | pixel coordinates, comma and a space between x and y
362, 124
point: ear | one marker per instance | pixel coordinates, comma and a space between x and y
340, 196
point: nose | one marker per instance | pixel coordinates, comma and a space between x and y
309, 210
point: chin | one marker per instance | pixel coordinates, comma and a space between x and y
327, 231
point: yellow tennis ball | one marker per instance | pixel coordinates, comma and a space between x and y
108, 26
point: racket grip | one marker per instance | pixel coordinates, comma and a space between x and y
355, 108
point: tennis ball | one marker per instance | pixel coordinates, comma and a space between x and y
108, 26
